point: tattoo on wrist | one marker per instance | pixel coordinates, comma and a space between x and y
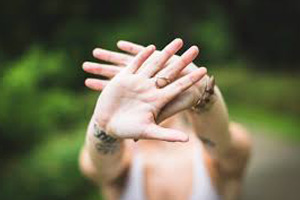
207, 96
106, 144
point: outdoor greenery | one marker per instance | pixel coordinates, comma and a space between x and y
45, 108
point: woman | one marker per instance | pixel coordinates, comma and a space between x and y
160, 128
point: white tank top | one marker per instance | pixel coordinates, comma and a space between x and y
202, 185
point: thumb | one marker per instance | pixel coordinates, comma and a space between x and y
156, 132
182, 103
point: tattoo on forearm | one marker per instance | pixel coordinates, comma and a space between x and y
207, 96
105, 144
106, 148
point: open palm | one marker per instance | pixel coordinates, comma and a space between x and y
130, 103
181, 102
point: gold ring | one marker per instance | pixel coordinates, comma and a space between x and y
161, 81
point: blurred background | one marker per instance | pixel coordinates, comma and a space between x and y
252, 48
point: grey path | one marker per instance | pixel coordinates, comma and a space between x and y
274, 171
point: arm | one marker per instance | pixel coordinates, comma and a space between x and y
228, 143
210, 120
129, 106
231, 144
101, 160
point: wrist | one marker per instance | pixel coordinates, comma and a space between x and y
199, 90
101, 128
102, 142
207, 95
102, 135
102, 121
100, 118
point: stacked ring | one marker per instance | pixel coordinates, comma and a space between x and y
161, 82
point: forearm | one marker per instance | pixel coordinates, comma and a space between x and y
107, 156
211, 123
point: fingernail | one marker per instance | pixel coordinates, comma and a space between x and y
85, 65
151, 47
86, 81
195, 47
179, 40
120, 42
203, 69
96, 51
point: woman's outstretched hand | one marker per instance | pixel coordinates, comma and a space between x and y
131, 101
118, 61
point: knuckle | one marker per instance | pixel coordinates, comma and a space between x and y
156, 62
115, 70
168, 52
99, 69
180, 84
142, 57
193, 78
109, 57
171, 75
183, 61
179, 63
85, 63
125, 59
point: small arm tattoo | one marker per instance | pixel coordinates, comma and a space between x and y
105, 144
207, 98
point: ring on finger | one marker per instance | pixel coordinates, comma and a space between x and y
161, 81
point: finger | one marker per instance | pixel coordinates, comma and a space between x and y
180, 103
95, 84
111, 56
183, 83
156, 64
101, 69
156, 132
130, 47
140, 59
172, 71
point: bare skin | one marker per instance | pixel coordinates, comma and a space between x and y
225, 162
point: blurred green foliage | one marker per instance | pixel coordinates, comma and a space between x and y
265, 101
44, 108
42, 129
49, 171
36, 98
